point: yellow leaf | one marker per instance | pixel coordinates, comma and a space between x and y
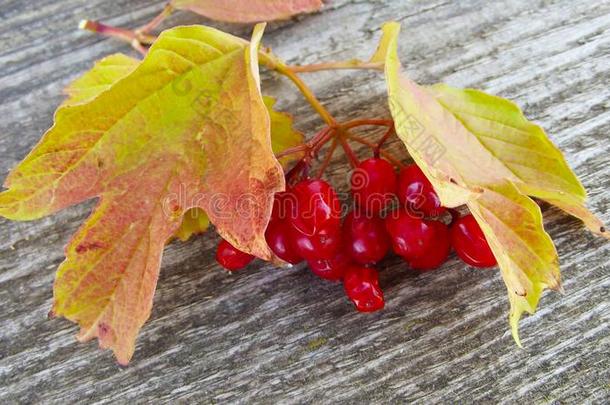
522, 146
283, 134
187, 128
512, 224
480, 150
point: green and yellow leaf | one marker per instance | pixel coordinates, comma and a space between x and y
187, 128
283, 133
480, 150
248, 11
522, 146
112, 68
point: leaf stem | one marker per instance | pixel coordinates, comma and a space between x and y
347, 64
107, 30
155, 22
134, 39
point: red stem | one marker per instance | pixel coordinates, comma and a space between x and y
327, 158
136, 39
295, 149
384, 138
395, 161
155, 22
107, 30
328, 135
353, 160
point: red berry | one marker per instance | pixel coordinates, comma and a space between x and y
416, 192
322, 245
470, 244
318, 207
331, 269
230, 257
278, 236
365, 237
361, 285
411, 237
438, 252
373, 184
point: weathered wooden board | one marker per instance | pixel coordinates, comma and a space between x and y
267, 334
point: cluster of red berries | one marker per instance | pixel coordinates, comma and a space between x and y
306, 225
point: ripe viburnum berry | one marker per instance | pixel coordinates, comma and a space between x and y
416, 192
278, 236
410, 236
361, 285
331, 269
321, 245
470, 244
373, 185
437, 253
317, 207
423, 243
365, 237
232, 258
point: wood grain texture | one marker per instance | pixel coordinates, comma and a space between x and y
266, 334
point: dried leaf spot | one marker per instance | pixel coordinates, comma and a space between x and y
87, 246
102, 330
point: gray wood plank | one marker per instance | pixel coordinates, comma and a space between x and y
271, 334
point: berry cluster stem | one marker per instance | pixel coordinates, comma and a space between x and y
327, 158
351, 156
394, 160
307, 93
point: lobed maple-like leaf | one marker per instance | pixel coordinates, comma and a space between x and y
112, 68
480, 150
248, 11
185, 128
